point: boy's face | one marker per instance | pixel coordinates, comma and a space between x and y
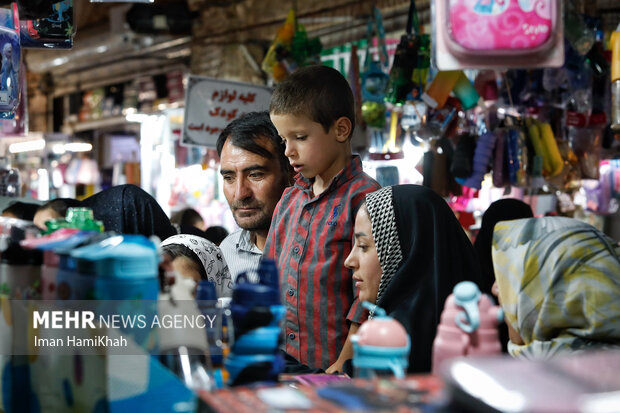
309, 149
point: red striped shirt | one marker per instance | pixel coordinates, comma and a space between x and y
310, 237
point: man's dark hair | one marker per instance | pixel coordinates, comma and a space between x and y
245, 133
178, 250
60, 205
318, 92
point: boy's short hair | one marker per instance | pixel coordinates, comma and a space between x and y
318, 92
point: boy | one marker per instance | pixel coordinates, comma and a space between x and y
312, 227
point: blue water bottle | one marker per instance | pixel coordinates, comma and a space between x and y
206, 300
256, 314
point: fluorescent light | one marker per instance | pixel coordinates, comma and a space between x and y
34, 145
78, 147
58, 149
136, 117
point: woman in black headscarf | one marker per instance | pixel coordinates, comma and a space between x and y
125, 209
502, 210
409, 252
128, 209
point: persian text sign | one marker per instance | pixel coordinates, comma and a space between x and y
211, 104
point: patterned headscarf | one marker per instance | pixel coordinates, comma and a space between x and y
559, 283
211, 258
383, 221
423, 253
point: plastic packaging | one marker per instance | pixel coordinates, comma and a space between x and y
10, 73
615, 80
381, 346
468, 325
439, 90
54, 31
580, 36
473, 33
482, 157
466, 92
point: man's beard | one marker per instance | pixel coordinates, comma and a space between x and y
257, 222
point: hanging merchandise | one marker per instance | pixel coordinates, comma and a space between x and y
19, 124
354, 82
419, 76
440, 88
290, 49
517, 157
580, 36
585, 142
482, 157
615, 79
497, 33
374, 79
55, 31
499, 160
405, 60
11, 57
122, 1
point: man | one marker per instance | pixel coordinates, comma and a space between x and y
255, 173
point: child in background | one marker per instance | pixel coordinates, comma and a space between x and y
199, 259
312, 227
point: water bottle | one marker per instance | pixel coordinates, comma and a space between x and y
256, 314
468, 325
380, 347
206, 299
81, 218
185, 352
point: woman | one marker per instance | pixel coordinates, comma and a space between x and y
126, 209
409, 251
200, 259
501, 210
559, 286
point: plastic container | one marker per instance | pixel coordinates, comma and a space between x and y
206, 300
380, 347
80, 218
439, 90
256, 314
124, 266
468, 325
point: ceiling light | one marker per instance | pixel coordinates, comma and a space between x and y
78, 147
34, 145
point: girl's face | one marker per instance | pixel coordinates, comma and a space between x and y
363, 259
186, 267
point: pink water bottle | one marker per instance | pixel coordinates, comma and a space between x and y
468, 325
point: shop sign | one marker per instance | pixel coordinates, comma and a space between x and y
211, 104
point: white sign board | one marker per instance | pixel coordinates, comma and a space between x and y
211, 104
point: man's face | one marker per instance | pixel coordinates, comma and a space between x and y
253, 184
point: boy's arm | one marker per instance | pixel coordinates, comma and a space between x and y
346, 353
